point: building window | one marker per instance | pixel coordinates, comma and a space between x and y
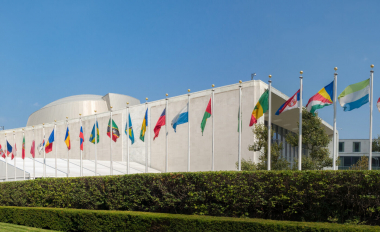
341, 146
356, 147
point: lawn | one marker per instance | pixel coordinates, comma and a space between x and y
5, 227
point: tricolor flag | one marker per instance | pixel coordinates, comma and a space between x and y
130, 129
49, 143
115, 130
9, 149
354, 96
14, 154
159, 124
92, 137
292, 103
144, 126
261, 108
206, 116
181, 118
321, 99
67, 138
81, 138
2, 154
32, 149
23, 148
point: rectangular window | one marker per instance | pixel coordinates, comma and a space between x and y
341, 146
356, 147
347, 161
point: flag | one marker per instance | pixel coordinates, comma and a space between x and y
67, 138
14, 154
321, 99
115, 130
144, 126
131, 135
41, 146
378, 104
2, 154
9, 149
49, 143
81, 138
32, 149
354, 96
293, 102
159, 124
92, 137
261, 108
23, 148
181, 118
206, 116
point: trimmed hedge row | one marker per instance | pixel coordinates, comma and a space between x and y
100, 220
341, 196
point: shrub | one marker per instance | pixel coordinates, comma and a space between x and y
321, 196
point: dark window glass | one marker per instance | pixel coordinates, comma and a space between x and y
341, 146
356, 147
355, 159
347, 161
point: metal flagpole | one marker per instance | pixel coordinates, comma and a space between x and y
34, 158
269, 122
68, 151
334, 130
23, 146
127, 137
239, 126
370, 119
300, 128
14, 154
43, 147
111, 134
96, 141
6, 158
56, 165
212, 115
188, 127
81, 152
166, 135
146, 140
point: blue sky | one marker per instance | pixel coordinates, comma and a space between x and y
53, 49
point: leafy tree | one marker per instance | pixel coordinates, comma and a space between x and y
261, 144
376, 144
247, 165
362, 164
315, 140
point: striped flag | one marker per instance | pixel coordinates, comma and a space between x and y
354, 96
321, 99
261, 108
81, 136
206, 115
159, 124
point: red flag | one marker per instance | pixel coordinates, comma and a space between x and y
23, 148
159, 124
2, 152
32, 149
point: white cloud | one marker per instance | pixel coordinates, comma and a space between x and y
36, 104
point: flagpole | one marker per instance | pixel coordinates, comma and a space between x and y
14, 155
96, 141
81, 152
68, 150
56, 166
146, 144
34, 156
188, 121
334, 130
370, 120
212, 115
111, 134
127, 137
43, 147
269, 122
300, 127
239, 126
166, 135
6, 158
23, 160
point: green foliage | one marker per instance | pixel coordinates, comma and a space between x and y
315, 140
91, 220
7, 227
261, 144
376, 144
247, 165
362, 164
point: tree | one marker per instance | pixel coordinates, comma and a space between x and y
247, 165
315, 140
376, 144
362, 164
261, 144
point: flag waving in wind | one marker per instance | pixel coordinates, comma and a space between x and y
95, 133
81, 138
32, 149
2, 154
321, 99
261, 108
159, 124
292, 103
115, 130
67, 138
144, 126
181, 118
41, 146
23, 148
14, 154
49, 143
354, 96
130, 129
9, 149
206, 115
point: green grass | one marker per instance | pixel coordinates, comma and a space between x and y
6, 227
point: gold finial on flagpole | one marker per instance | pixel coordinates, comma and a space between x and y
167, 94
372, 65
240, 82
146, 99
270, 76
127, 103
95, 111
188, 90
301, 72
80, 115
213, 85
336, 68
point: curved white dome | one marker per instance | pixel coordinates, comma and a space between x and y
72, 106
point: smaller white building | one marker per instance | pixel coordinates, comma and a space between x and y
350, 151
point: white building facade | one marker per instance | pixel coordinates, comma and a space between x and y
350, 151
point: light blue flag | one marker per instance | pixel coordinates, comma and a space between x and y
131, 135
181, 117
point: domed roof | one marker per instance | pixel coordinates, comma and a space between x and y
83, 97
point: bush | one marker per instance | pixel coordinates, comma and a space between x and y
321, 196
99, 220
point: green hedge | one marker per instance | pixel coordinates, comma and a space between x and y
100, 220
321, 196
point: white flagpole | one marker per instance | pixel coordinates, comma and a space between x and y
68, 151
334, 130
55, 150
146, 140
111, 134
300, 128
166, 135
81, 152
14, 154
127, 137
96, 141
43, 147
34, 158
212, 115
6, 158
370, 119
23, 160
188, 127
239, 126
269, 122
